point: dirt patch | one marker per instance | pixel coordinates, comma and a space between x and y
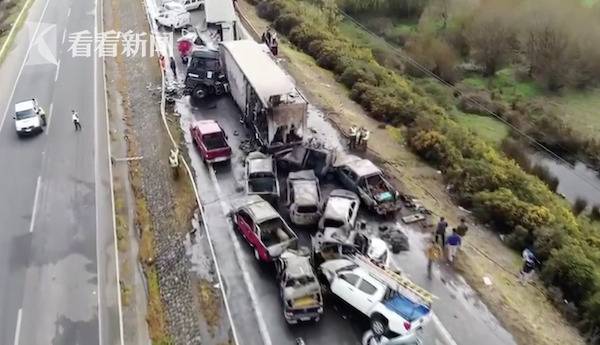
524, 311
210, 302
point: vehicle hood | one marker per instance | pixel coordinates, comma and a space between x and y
29, 122
377, 248
333, 265
294, 292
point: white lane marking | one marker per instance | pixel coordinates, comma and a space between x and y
443, 331
57, 71
35, 203
64, 36
14, 88
49, 117
262, 326
96, 172
18, 327
69, 12
112, 190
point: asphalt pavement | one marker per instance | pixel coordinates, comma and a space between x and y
58, 280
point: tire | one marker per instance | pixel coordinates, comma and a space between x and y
379, 325
199, 93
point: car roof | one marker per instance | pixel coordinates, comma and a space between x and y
259, 162
337, 207
257, 208
297, 265
24, 105
306, 192
359, 166
208, 126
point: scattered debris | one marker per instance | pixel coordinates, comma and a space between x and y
487, 281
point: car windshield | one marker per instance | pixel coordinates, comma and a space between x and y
300, 281
25, 114
332, 223
214, 141
205, 64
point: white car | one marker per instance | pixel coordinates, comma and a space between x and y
393, 310
172, 6
304, 197
29, 117
174, 19
189, 5
340, 210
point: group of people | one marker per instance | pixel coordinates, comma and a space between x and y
359, 137
270, 39
440, 243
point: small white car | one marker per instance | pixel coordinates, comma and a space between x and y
340, 210
304, 197
172, 6
189, 5
29, 118
174, 19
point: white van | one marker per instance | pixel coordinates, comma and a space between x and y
29, 118
174, 19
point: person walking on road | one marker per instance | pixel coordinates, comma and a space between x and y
76, 121
462, 228
440, 231
453, 243
433, 252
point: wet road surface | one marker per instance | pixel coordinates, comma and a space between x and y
57, 269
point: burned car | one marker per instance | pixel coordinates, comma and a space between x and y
262, 227
367, 180
304, 197
261, 176
306, 157
299, 288
340, 210
334, 244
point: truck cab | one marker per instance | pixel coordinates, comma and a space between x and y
367, 180
205, 75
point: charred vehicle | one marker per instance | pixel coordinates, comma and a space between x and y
205, 75
304, 197
299, 288
332, 243
305, 157
340, 210
367, 180
262, 227
272, 108
261, 176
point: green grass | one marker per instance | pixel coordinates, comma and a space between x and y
581, 109
5, 40
489, 129
589, 3
505, 85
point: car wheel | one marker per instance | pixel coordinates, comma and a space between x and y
379, 325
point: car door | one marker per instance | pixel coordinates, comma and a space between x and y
347, 178
364, 296
344, 286
245, 225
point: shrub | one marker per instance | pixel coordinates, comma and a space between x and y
269, 10
579, 205
544, 174
286, 22
595, 212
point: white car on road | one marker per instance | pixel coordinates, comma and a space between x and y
29, 117
189, 5
174, 19
394, 305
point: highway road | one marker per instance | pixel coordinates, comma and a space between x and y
58, 280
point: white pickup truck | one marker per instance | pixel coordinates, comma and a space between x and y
394, 305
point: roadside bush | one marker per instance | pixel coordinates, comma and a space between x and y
434, 147
579, 205
544, 174
520, 238
595, 213
433, 54
286, 22
268, 9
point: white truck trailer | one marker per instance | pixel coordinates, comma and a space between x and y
220, 17
272, 108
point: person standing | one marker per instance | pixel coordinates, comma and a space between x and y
462, 228
453, 243
529, 262
173, 67
76, 122
440, 231
353, 132
433, 252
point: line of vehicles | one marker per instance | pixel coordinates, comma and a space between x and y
341, 261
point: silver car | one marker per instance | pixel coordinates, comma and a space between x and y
304, 197
340, 210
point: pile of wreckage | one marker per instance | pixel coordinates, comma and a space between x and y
338, 238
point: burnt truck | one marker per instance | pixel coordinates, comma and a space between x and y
272, 108
204, 76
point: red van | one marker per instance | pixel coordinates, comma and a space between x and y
211, 141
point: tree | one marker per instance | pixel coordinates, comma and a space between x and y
491, 38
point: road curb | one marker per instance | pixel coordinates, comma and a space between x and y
13, 30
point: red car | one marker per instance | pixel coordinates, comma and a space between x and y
211, 141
